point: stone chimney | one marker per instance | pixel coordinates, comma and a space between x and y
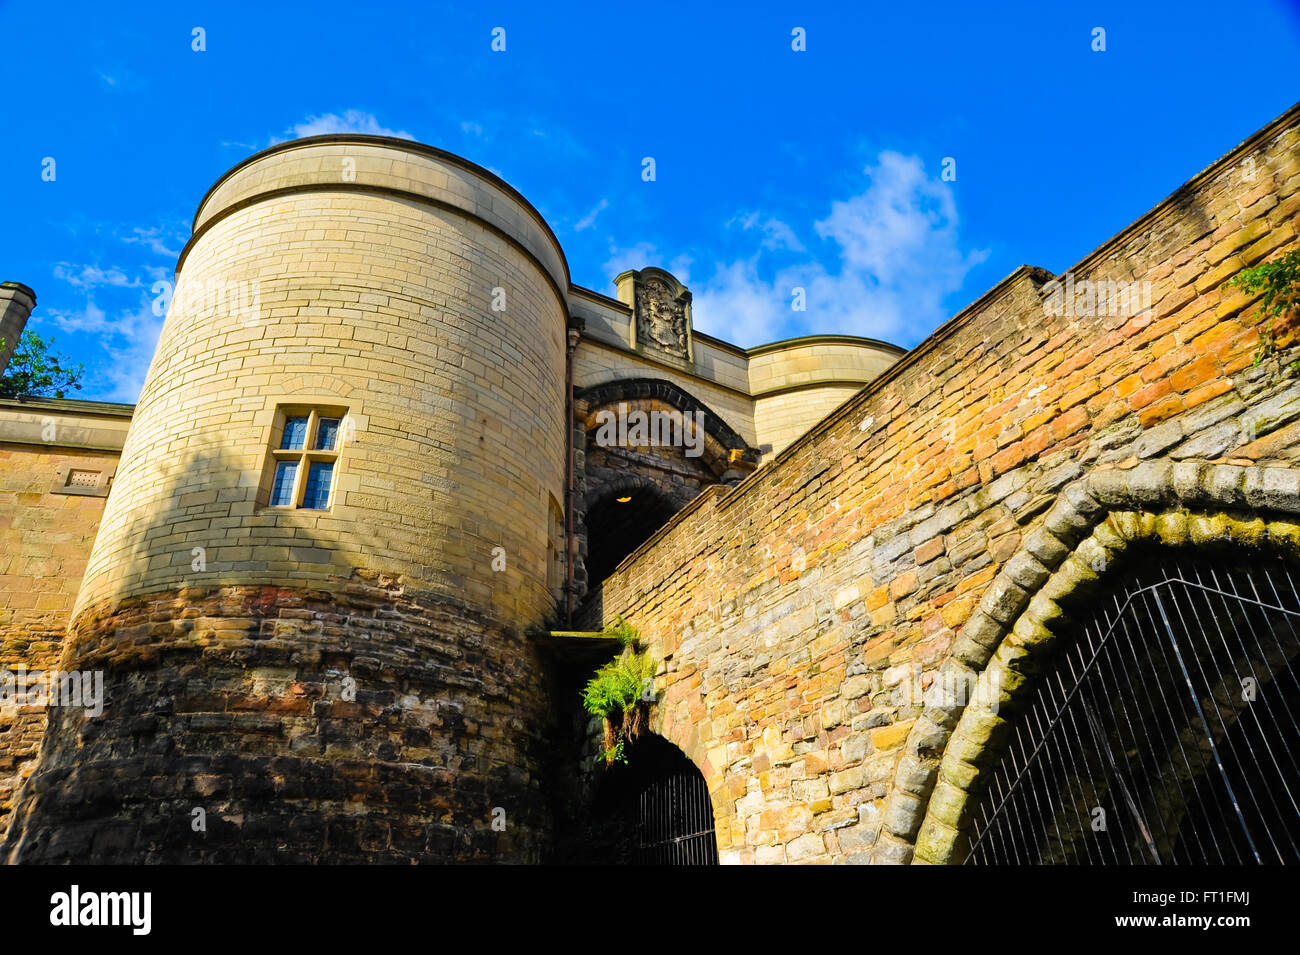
16, 304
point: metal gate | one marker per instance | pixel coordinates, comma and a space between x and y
675, 822
660, 806
1165, 729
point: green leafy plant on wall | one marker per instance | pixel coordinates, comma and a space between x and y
621, 691
1279, 280
35, 371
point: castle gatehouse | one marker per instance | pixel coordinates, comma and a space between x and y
345, 564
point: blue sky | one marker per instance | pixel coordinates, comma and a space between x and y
774, 168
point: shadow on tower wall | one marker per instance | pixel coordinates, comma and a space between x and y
249, 722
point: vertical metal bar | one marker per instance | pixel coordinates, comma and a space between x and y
1101, 736
1023, 821
1173, 722
1012, 844
1282, 734
1106, 648
1269, 791
1196, 702
1098, 732
1291, 625
1049, 737
1038, 809
1088, 778
1177, 724
1224, 743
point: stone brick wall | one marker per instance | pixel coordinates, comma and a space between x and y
788, 611
782, 418
382, 307
45, 539
230, 706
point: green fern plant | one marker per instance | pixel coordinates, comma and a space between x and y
1279, 280
620, 691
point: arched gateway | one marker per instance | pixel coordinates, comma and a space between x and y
1160, 728
655, 809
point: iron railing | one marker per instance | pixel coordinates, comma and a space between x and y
1165, 730
675, 822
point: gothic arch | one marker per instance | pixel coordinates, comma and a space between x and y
686, 737
1095, 519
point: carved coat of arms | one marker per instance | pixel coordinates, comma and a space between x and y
661, 317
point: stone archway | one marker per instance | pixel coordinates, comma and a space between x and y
679, 447
725, 454
1154, 721
656, 809
1094, 520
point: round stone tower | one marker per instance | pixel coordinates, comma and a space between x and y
334, 517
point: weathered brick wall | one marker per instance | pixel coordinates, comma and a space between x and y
233, 702
45, 539
788, 611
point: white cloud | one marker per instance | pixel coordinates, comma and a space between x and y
645, 254
736, 305
589, 220
472, 129
128, 340
633, 257
895, 258
352, 121
778, 234
160, 240
92, 276
130, 354
90, 320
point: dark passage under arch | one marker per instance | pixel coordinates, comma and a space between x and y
655, 809
615, 527
1163, 727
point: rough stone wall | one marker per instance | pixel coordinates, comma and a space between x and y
45, 539
232, 702
789, 612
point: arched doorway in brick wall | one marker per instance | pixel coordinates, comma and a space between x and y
1161, 726
655, 809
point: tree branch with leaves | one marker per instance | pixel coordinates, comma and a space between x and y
35, 371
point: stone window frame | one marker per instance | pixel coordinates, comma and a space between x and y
1185, 503
315, 410
556, 558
